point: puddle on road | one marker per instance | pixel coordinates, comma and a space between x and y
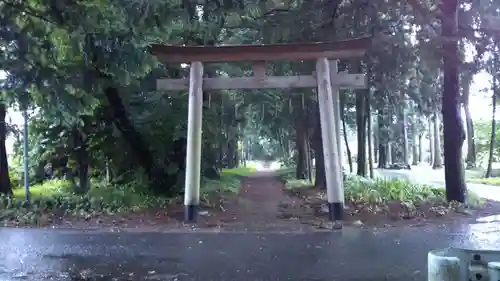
84, 268
88, 275
489, 219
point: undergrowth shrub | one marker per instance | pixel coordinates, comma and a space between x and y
56, 197
359, 189
487, 181
382, 190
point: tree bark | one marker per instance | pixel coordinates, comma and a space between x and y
369, 136
493, 125
466, 81
309, 159
404, 130
438, 160
80, 148
5, 186
344, 131
389, 154
493, 136
420, 147
320, 178
381, 140
415, 147
454, 134
430, 129
300, 138
361, 131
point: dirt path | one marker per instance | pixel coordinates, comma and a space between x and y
259, 198
262, 204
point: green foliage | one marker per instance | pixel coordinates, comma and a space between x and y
57, 197
16, 179
239, 172
482, 137
376, 191
50, 188
226, 184
286, 175
361, 190
488, 181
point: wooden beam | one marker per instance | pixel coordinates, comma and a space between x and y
340, 80
299, 51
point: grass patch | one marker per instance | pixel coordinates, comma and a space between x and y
298, 184
488, 181
375, 191
287, 176
361, 190
229, 180
240, 171
50, 188
476, 175
55, 198
227, 183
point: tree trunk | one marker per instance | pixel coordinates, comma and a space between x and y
404, 130
389, 154
369, 137
80, 148
375, 138
109, 173
5, 187
300, 138
466, 81
431, 140
420, 147
309, 159
320, 179
471, 145
438, 161
492, 140
361, 131
415, 146
454, 134
232, 150
493, 127
346, 141
381, 140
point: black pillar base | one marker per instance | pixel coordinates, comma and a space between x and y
190, 213
335, 211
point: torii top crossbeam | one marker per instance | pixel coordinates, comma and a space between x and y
232, 53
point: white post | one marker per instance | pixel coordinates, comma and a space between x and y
443, 266
335, 194
337, 119
193, 155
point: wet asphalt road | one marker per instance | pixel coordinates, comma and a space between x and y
350, 254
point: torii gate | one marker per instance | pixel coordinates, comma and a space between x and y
326, 78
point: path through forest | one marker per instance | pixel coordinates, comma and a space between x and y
259, 203
260, 195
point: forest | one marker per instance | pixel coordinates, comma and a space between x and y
102, 139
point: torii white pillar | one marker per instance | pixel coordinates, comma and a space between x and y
193, 155
334, 188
